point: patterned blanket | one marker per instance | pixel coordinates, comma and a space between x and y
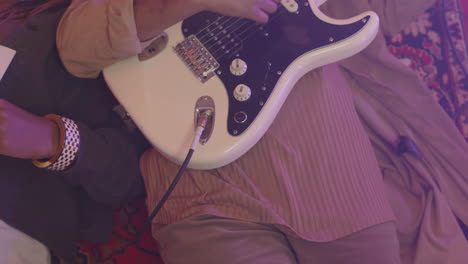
434, 45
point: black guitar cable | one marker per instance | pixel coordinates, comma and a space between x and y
205, 118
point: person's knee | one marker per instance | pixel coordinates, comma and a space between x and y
211, 239
375, 244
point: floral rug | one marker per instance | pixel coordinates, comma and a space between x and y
434, 46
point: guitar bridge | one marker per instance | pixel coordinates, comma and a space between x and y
197, 58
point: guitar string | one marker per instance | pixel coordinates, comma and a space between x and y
247, 22
231, 32
226, 48
222, 35
210, 31
215, 37
209, 25
256, 27
254, 24
214, 22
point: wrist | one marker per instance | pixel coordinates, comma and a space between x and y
52, 143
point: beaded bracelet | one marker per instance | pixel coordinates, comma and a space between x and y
67, 149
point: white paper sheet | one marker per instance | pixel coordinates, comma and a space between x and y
6, 56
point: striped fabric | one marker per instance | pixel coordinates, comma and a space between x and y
314, 173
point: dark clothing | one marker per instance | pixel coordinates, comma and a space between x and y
60, 209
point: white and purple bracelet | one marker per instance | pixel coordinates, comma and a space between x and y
71, 145
68, 148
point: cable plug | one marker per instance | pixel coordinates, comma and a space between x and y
201, 125
204, 118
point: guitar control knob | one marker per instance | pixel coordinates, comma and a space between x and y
240, 117
238, 67
242, 92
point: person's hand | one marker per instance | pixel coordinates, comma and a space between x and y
257, 10
24, 135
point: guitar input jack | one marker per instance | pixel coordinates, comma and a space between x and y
204, 121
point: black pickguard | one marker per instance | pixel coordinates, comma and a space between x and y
268, 51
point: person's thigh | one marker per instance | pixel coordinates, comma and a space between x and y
19, 248
377, 244
214, 240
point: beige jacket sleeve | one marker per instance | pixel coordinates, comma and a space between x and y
94, 34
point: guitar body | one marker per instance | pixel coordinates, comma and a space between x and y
240, 70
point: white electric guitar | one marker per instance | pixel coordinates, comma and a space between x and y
241, 70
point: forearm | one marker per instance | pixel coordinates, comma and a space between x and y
154, 16
104, 161
94, 34
25, 135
